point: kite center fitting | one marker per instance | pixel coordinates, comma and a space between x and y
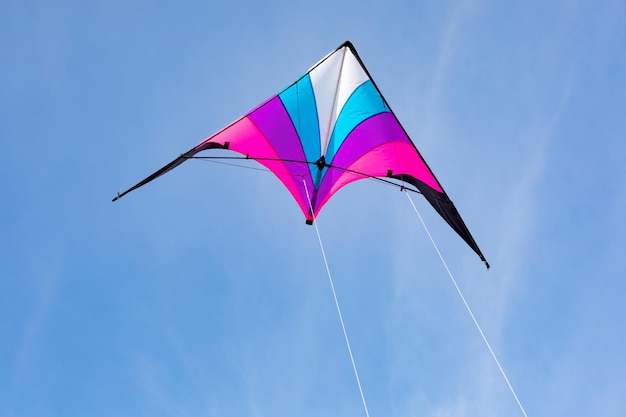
321, 163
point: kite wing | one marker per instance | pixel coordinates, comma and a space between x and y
329, 128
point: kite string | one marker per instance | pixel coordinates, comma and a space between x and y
332, 287
495, 358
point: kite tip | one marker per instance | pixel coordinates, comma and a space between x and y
482, 258
309, 221
116, 197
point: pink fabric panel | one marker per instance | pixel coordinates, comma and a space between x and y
373, 133
246, 139
273, 120
396, 156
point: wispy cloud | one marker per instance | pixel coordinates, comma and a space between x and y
45, 277
480, 378
514, 243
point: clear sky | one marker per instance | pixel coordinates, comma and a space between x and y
205, 294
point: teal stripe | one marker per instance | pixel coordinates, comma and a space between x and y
363, 103
299, 100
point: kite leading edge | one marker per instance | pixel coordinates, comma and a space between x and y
329, 128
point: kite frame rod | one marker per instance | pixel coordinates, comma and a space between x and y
316, 163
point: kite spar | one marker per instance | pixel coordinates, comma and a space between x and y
331, 127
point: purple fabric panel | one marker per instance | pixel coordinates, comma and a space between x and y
371, 133
244, 137
273, 120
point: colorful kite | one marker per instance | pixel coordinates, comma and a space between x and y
329, 128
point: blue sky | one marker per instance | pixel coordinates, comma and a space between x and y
205, 294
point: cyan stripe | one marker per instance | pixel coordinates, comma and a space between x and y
299, 100
363, 103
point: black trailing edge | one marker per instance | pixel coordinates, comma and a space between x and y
176, 162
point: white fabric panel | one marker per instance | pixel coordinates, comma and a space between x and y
352, 76
334, 80
325, 80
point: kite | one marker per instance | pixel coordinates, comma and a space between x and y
331, 127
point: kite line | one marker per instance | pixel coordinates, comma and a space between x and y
458, 289
332, 287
